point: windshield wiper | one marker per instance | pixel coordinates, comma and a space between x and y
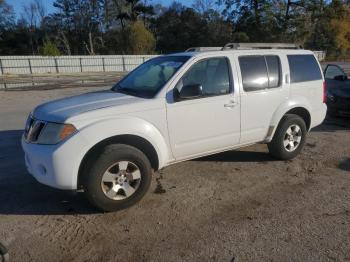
132, 92
127, 91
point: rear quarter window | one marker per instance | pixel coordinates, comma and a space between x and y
303, 68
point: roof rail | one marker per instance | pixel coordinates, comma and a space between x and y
261, 46
203, 48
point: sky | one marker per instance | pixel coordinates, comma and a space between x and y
18, 4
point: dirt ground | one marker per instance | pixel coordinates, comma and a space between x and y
235, 206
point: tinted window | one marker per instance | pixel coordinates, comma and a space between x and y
303, 68
260, 72
333, 71
254, 72
213, 74
274, 70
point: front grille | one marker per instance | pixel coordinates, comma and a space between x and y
33, 129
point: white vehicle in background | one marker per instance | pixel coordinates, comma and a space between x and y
173, 108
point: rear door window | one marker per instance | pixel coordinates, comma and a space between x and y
303, 68
260, 72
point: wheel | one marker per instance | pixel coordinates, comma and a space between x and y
289, 137
118, 178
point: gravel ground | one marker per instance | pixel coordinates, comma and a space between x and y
235, 206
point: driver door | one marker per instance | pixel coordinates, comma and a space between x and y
335, 76
210, 122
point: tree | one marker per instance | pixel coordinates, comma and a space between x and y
341, 30
80, 22
14, 41
256, 20
203, 6
141, 41
33, 14
7, 17
121, 26
180, 28
49, 48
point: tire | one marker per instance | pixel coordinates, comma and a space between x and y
278, 148
118, 178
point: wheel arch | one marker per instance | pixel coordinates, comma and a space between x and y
302, 110
303, 113
132, 140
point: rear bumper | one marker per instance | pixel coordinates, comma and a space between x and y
55, 165
318, 116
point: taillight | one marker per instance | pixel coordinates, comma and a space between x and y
324, 92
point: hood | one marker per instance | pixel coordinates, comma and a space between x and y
62, 109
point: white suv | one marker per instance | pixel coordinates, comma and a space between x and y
170, 109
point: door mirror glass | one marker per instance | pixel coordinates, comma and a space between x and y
191, 91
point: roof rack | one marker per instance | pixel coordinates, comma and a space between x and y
245, 46
203, 48
261, 46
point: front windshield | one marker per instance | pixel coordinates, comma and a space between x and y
147, 79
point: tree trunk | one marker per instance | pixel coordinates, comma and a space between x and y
65, 43
92, 51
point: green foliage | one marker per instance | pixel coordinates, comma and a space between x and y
140, 40
49, 48
180, 28
341, 32
132, 27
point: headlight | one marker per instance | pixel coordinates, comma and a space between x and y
53, 133
41, 132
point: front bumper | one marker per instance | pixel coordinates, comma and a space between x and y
55, 165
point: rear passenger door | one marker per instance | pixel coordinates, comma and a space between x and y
263, 89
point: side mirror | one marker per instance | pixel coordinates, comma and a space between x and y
190, 91
341, 78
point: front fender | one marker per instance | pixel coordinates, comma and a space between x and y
293, 102
96, 132
104, 129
